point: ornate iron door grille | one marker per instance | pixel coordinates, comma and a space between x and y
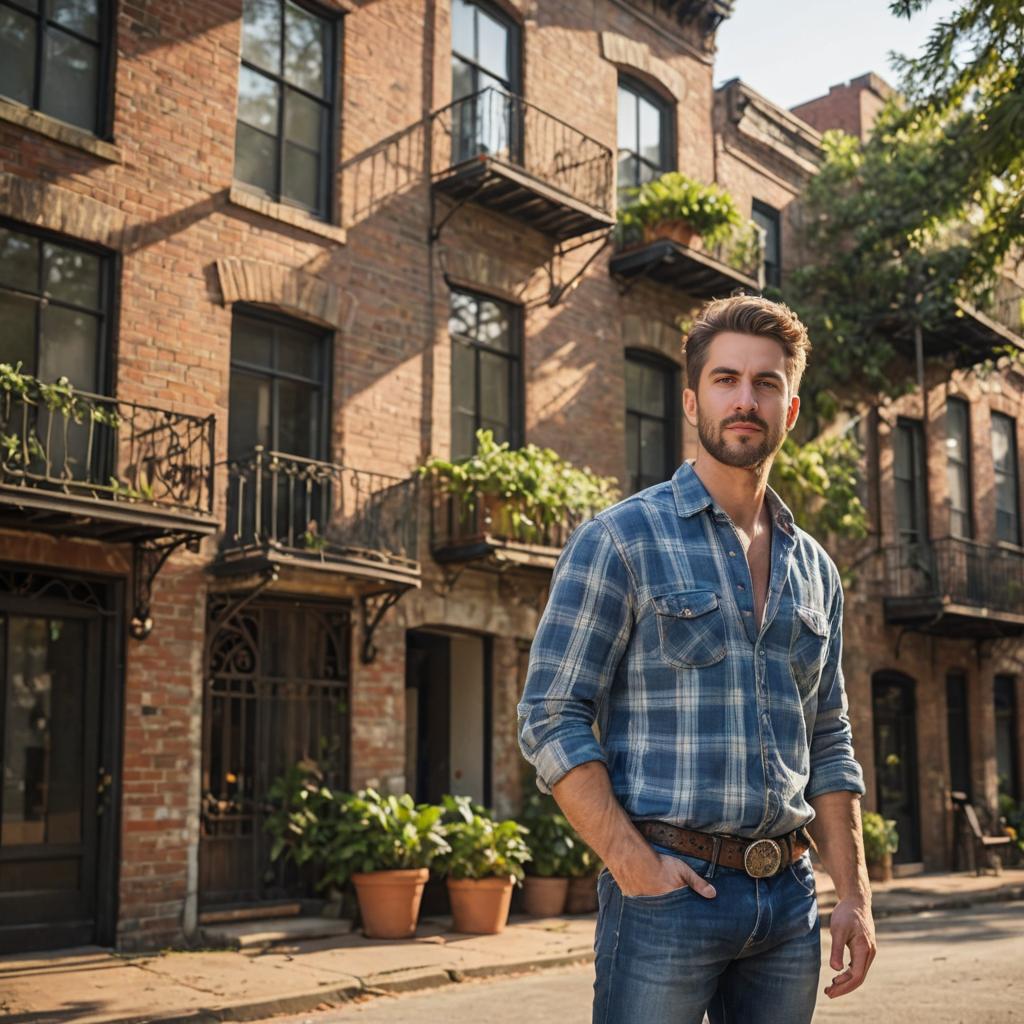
276, 690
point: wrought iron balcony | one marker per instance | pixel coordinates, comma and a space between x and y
954, 587
89, 465
497, 150
288, 511
488, 532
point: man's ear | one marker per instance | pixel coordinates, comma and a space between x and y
690, 406
793, 413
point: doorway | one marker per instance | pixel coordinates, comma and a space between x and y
895, 733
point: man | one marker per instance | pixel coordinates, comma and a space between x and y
701, 630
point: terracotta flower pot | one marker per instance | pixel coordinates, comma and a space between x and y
480, 905
582, 897
881, 871
675, 230
545, 897
389, 901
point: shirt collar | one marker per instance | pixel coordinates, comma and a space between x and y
691, 497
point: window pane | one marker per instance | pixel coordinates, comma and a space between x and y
18, 331
653, 393
255, 158
301, 176
69, 85
904, 468
261, 33
633, 384
248, 414
250, 342
71, 275
304, 49
1002, 442
652, 448
303, 120
80, 16
650, 133
493, 328
494, 386
463, 379
492, 38
19, 261
463, 435
647, 172
462, 79
633, 446
298, 352
627, 120
956, 430
69, 348
257, 100
298, 422
462, 28
462, 318
17, 55
628, 174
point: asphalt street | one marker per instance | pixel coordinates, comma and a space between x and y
945, 967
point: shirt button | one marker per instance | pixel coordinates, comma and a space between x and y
687, 612
739, 586
732, 554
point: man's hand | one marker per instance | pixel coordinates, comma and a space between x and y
658, 875
852, 928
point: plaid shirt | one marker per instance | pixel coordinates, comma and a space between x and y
649, 632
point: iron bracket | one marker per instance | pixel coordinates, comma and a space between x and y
557, 291
148, 558
374, 606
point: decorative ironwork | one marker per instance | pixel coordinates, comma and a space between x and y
374, 607
148, 557
320, 511
109, 450
33, 585
276, 691
494, 127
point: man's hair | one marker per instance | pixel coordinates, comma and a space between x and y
747, 314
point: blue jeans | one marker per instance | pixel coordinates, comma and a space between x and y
751, 955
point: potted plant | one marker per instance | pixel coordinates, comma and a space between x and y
484, 862
677, 207
384, 845
584, 866
551, 840
881, 841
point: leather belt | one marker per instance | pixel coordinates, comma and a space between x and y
759, 858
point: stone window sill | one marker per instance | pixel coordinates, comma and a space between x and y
43, 124
239, 196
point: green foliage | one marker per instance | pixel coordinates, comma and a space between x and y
556, 849
481, 847
818, 481
880, 837
539, 489
1013, 812
342, 833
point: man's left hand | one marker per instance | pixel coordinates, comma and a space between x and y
852, 928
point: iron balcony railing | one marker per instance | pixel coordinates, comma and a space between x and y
496, 124
956, 571
95, 449
319, 510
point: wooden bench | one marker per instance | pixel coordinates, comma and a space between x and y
982, 854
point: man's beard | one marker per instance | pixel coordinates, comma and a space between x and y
748, 450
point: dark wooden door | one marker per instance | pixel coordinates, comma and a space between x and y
896, 760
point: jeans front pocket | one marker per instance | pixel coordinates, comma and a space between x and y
803, 875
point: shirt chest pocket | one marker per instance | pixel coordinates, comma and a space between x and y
810, 643
691, 629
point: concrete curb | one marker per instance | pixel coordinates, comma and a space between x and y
1010, 894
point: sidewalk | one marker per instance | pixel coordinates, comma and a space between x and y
277, 970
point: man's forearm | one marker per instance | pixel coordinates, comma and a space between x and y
836, 831
586, 798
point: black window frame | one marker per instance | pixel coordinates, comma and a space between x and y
326, 185
1014, 462
326, 338
1006, 708
106, 21
517, 384
667, 110
671, 373
919, 493
513, 48
772, 268
109, 270
961, 466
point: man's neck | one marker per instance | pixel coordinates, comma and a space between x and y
740, 493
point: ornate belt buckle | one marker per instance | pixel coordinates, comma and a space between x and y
762, 858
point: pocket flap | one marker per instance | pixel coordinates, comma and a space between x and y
687, 604
814, 620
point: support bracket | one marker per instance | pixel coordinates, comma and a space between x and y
148, 558
558, 291
374, 607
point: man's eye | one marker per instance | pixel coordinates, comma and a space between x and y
769, 384
726, 380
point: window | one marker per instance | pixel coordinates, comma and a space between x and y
958, 733
645, 135
278, 387
485, 61
651, 420
486, 371
54, 309
1004, 690
958, 467
286, 104
1004, 455
909, 472
767, 218
53, 58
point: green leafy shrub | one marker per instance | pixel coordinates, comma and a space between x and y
479, 846
880, 837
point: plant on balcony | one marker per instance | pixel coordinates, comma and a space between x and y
676, 206
534, 490
881, 841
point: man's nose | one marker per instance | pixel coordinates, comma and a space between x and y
746, 399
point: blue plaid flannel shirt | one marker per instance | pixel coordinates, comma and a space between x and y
702, 720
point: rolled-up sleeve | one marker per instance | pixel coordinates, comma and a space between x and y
833, 766
579, 643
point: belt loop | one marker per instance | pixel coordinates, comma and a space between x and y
716, 848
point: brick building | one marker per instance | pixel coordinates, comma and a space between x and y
284, 252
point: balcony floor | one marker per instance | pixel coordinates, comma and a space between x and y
689, 270
497, 553
939, 617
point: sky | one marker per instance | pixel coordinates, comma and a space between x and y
793, 50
